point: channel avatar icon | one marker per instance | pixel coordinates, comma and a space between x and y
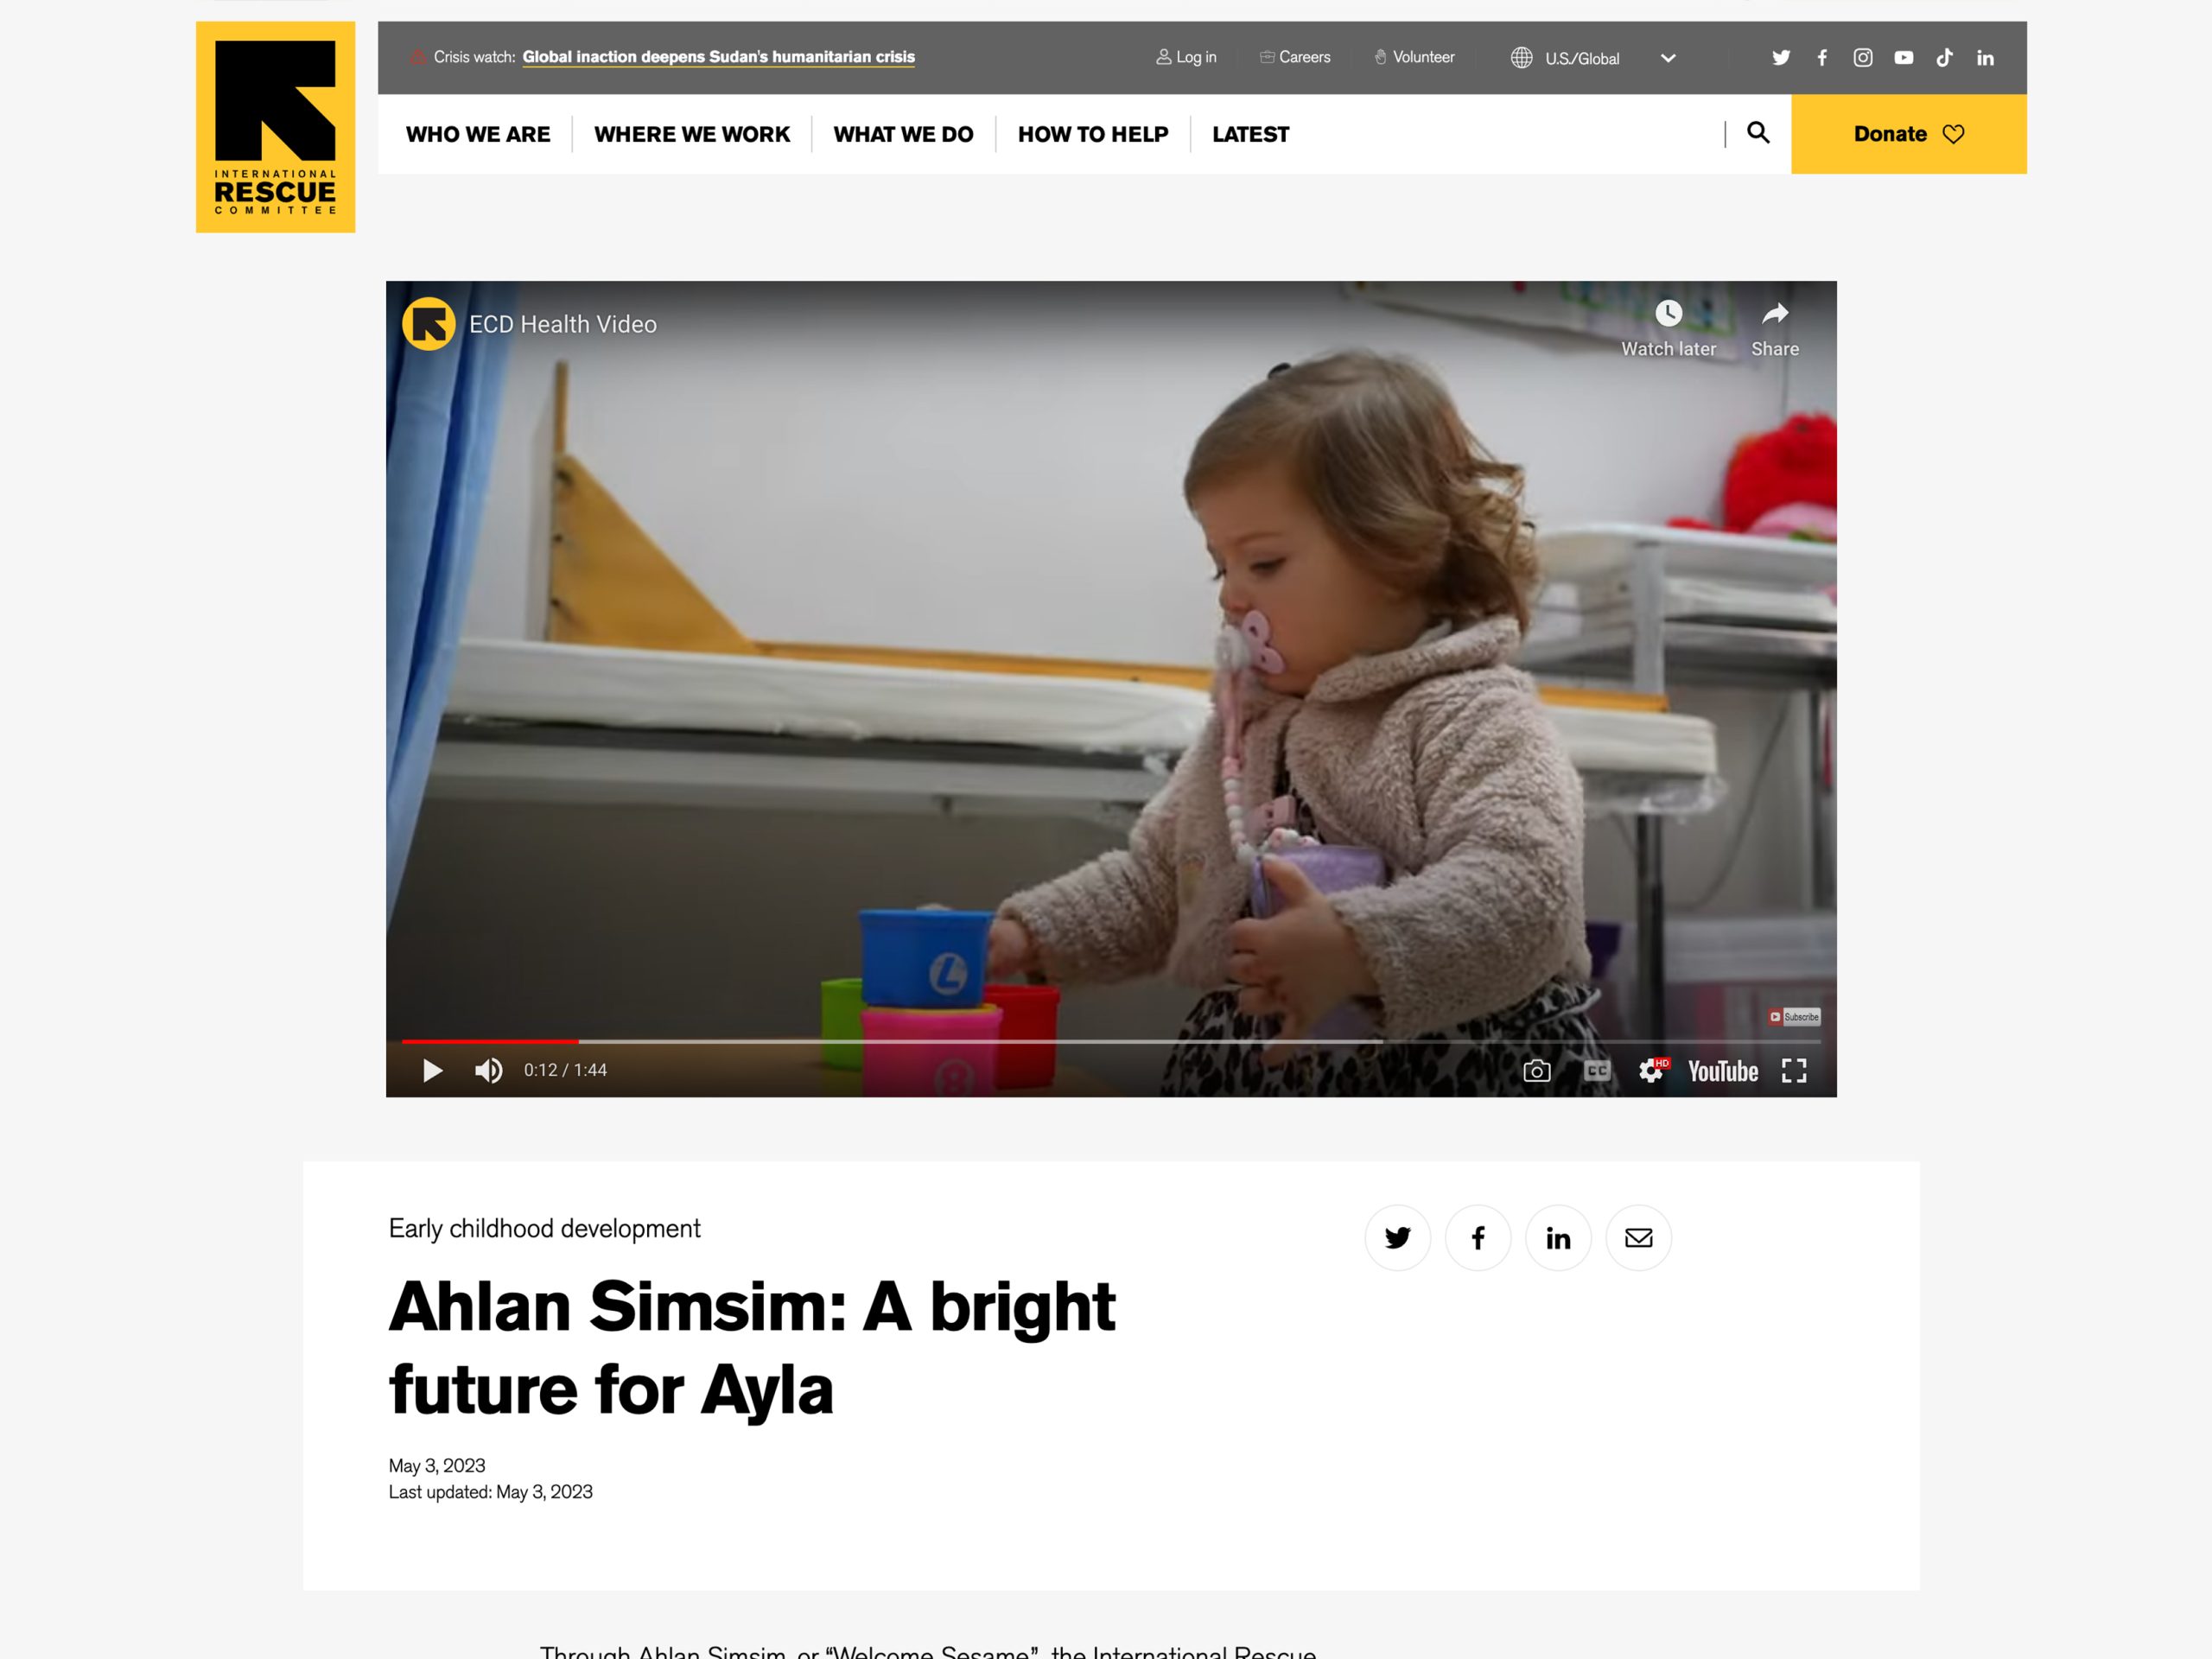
428, 324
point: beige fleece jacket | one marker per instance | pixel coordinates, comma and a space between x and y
1439, 757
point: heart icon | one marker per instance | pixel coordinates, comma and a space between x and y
1954, 132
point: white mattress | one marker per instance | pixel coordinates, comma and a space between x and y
1569, 607
1616, 739
1595, 553
592, 685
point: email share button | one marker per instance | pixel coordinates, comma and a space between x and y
1639, 1238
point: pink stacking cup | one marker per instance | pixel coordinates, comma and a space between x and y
915, 1052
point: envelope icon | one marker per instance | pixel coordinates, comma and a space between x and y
1639, 1239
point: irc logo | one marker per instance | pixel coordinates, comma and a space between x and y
276, 128
428, 325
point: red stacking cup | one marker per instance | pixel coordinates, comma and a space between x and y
1029, 1035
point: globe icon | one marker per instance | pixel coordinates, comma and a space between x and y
1523, 57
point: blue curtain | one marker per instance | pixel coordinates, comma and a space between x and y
442, 412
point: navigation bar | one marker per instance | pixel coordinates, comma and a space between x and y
602, 135
943, 59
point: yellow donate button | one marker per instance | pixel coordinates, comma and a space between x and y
1910, 132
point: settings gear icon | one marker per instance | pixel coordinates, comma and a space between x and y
1652, 1069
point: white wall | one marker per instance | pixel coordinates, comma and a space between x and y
1000, 468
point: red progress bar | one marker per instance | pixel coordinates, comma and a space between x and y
486, 1042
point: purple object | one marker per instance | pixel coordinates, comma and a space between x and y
1331, 869
1604, 939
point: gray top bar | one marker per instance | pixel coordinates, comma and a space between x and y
1240, 58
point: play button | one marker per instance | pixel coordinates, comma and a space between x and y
430, 1069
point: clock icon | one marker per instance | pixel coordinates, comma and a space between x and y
1668, 313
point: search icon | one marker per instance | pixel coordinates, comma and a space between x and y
1757, 129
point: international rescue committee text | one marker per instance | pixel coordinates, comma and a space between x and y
1029, 1316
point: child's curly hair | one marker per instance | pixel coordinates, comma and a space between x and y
1379, 449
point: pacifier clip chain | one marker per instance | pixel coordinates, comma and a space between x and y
1240, 648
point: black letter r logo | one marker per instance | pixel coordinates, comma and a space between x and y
258, 83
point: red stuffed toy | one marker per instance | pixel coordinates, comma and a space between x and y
1781, 483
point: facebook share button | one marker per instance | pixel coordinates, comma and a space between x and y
1478, 1237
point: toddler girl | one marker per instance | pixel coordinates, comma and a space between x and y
1376, 573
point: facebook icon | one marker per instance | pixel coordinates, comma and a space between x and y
1479, 1237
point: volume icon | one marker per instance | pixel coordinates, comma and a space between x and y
490, 1071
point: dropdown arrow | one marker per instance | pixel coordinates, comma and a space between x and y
1666, 57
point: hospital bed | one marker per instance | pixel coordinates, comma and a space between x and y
536, 722
1650, 608
532, 720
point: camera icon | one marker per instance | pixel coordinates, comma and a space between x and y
1862, 57
1536, 1071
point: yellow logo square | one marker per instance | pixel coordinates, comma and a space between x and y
276, 130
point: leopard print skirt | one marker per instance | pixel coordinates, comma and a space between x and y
1218, 1052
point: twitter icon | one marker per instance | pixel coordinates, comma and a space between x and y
1397, 1237
1782, 57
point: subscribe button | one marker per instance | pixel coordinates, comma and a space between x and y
1909, 133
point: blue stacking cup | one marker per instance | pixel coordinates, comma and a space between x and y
923, 958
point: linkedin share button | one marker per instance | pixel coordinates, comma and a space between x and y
1559, 1238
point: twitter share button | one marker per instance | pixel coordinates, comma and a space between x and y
1397, 1237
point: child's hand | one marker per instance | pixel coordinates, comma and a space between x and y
1012, 952
1299, 963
